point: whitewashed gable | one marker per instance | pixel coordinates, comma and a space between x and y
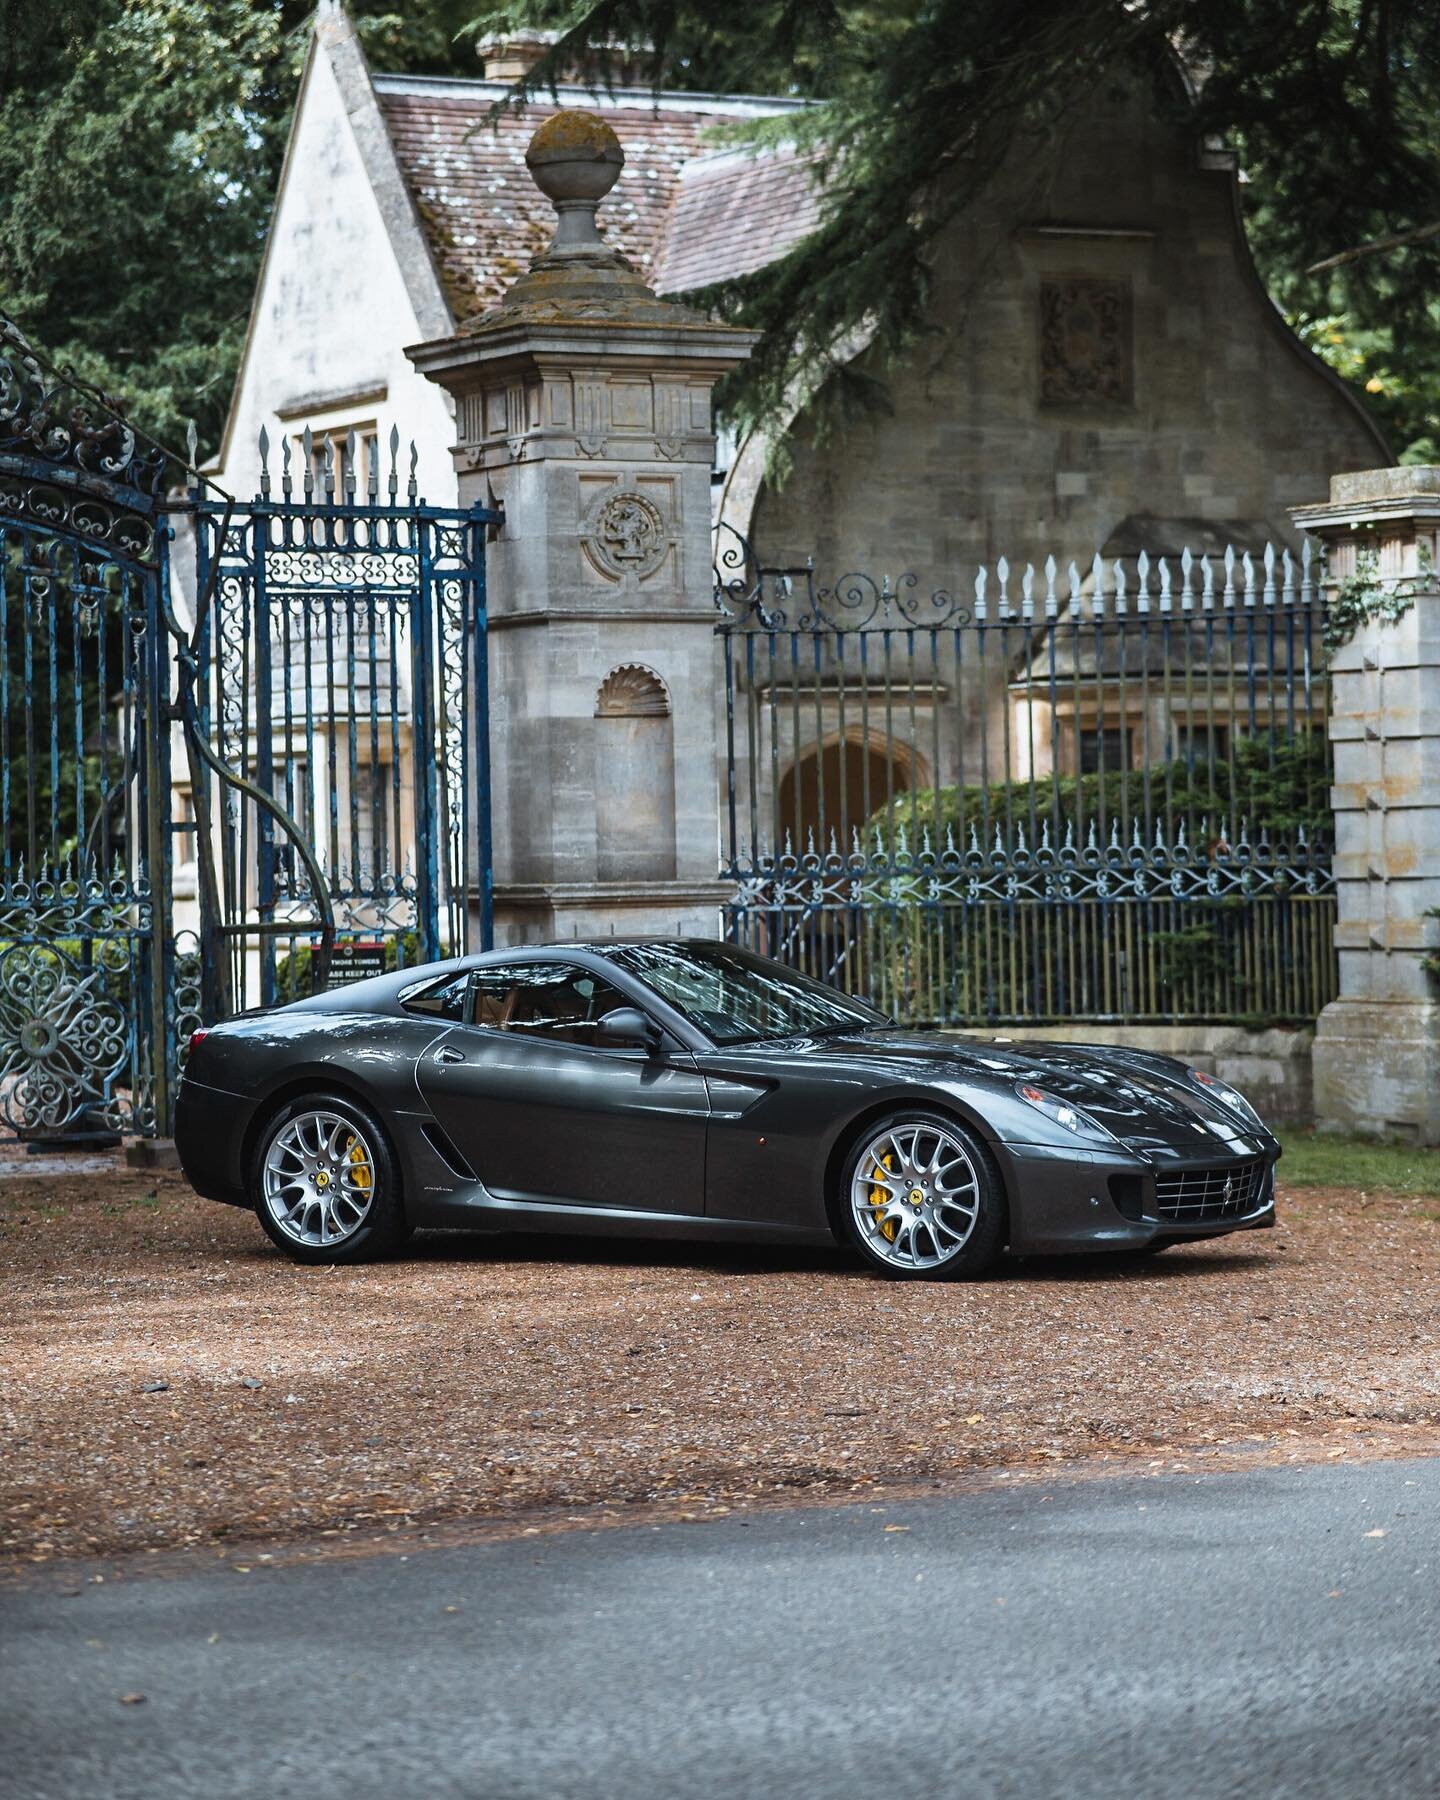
332, 314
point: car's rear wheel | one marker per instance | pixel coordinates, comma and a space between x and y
920, 1197
324, 1183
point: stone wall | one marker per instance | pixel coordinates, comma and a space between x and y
1103, 349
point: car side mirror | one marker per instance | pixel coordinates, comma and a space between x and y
629, 1028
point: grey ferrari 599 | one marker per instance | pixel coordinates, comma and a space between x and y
691, 1089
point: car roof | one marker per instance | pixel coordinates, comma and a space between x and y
382, 992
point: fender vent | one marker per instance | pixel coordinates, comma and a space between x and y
1128, 1193
444, 1147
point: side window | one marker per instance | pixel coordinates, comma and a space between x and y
443, 999
556, 1001
494, 997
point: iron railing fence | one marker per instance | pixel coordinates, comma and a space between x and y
1097, 793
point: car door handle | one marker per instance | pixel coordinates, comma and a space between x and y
449, 1056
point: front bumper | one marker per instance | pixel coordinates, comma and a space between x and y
1070, 1200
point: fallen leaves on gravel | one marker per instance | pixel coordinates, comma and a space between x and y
491, 1377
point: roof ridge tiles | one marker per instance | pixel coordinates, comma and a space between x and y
477, 88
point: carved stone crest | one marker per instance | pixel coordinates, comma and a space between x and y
1086, 358
625, 535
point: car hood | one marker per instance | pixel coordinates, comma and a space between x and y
1147, 1101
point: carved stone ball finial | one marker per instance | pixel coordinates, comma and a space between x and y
575, 159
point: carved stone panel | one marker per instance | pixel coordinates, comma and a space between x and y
634, 777
625, 534
1086, 348
671, 420
591, 414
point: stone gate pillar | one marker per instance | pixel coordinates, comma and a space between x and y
583, 407
1377, 1047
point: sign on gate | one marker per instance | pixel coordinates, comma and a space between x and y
352, 958
294, 724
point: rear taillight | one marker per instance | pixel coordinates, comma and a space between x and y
197, 1038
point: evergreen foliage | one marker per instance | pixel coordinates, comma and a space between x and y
1280, 788
937, 960
1332, 105
141, 143
140, 150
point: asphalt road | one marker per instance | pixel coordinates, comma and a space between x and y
1248, 1634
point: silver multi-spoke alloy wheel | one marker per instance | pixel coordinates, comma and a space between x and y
318, 1178
915, 1195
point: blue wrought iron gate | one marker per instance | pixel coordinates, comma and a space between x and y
85, 993
244, 749
340, 670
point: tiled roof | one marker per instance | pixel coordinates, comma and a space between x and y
733, 213
485, 218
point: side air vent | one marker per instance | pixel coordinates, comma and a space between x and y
1128, 1193
445, 1148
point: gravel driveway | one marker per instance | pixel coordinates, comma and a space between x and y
170, 1379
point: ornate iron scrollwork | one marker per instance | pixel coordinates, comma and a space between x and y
69, 459
52, 415
748, 592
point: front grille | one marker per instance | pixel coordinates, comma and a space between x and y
1191, 1196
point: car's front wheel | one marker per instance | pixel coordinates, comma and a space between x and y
324, 1183
920, 1197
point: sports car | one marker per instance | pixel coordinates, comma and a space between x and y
690, 1089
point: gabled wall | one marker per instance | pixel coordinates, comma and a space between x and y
1215, 413
333, 309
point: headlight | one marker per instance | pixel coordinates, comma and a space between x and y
1231, 1097
1061, 1112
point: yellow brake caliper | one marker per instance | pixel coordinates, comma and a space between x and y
356, 1153
880, 1198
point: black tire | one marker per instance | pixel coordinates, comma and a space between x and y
383, 1226
981, 1248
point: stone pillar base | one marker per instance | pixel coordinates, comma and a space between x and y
1377, 1068
557, 912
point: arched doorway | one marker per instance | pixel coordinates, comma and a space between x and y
835, 786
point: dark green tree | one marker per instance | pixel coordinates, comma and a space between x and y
140, 149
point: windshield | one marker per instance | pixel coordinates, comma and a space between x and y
736, 997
